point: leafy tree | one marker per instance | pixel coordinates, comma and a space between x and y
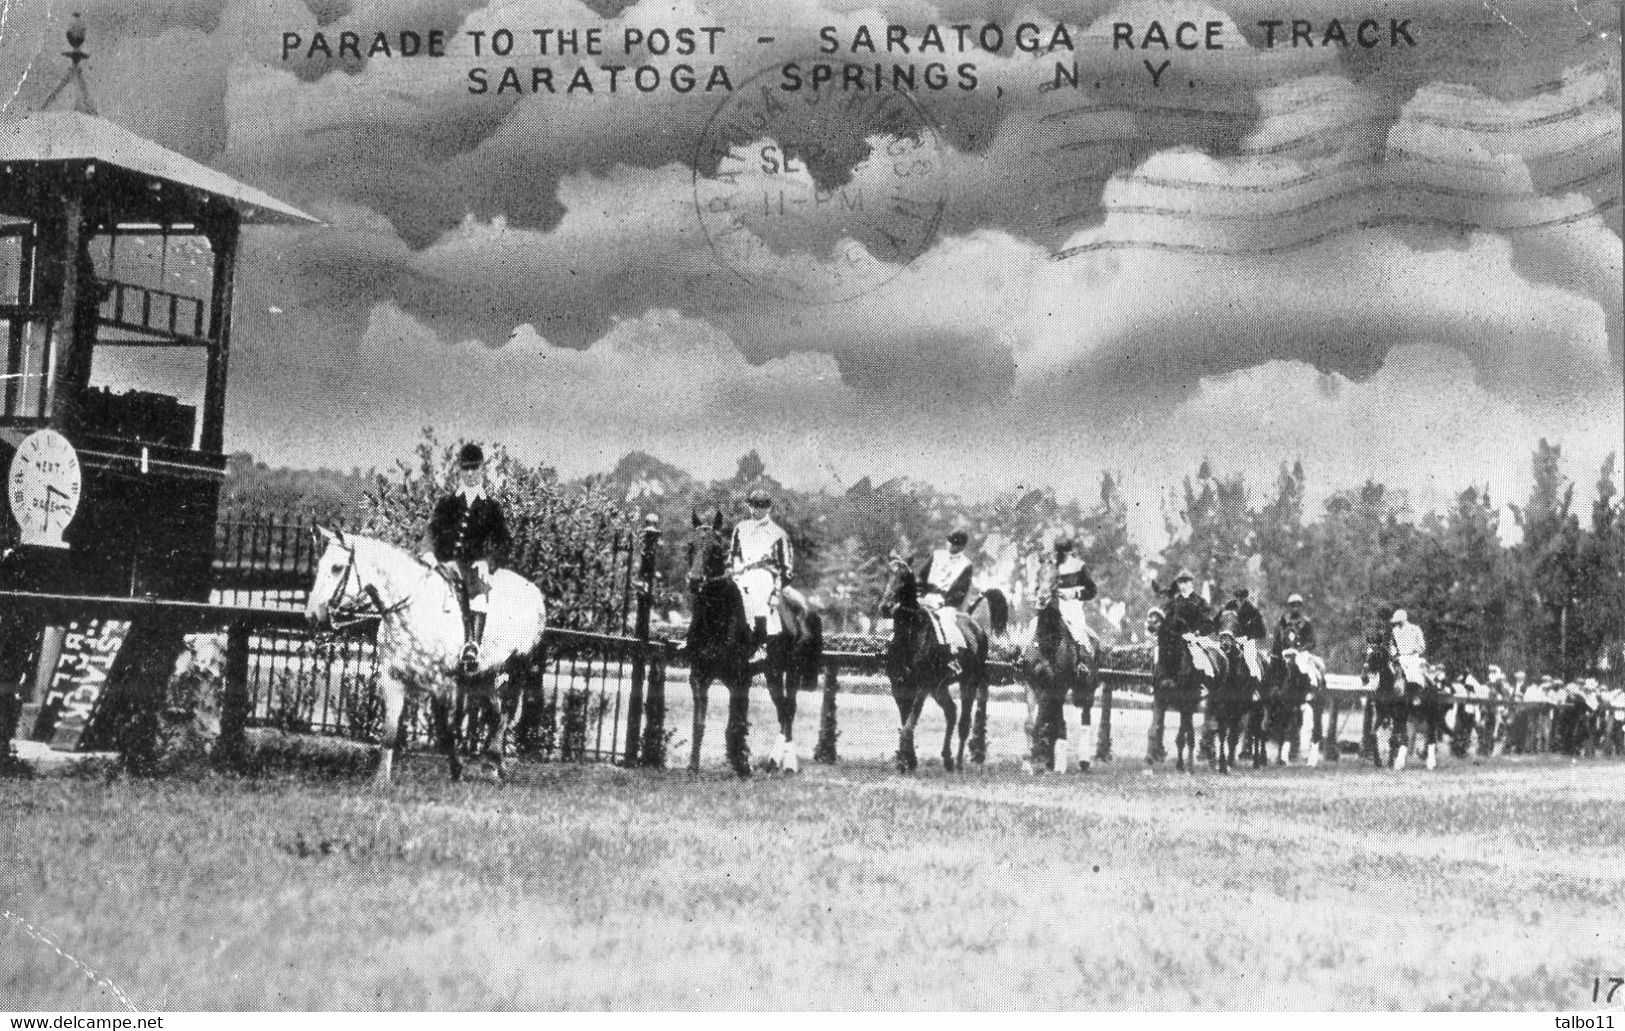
1600, 620
1550, 559
1282, 540
574, 543
1211, 535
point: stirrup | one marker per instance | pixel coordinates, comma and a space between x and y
758, 656
955, 668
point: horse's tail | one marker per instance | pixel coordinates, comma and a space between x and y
810, 658
998, 610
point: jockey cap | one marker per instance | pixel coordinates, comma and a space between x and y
470, 457
1063, 545
759, 498
1185, 574
1399, 616
1243, 593
958, 538
1294, 599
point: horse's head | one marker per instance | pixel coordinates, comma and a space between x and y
1153, 622
337, 586
902, 591
707, 551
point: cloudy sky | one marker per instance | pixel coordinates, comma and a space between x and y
1402, 261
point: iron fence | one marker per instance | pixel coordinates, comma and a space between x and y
270, 561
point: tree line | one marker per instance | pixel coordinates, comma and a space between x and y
1545, 594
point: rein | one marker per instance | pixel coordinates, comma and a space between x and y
345, 616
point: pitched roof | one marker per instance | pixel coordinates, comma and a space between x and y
73, 136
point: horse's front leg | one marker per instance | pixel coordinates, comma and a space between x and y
701, 686
1035, 757
784, 705
1185, 741
508, 701
1154, 749
441, 711
389, 732
907, 760
1309, 734
950, 719
738, 732
975, 673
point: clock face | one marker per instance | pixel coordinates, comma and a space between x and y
43, 487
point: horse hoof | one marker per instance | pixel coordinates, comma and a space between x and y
1083, 765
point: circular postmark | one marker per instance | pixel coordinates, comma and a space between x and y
818, 195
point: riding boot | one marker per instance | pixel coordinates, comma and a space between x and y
759, 635
474, 631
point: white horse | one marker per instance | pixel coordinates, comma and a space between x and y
420, 636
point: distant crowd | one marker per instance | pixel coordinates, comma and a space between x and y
1576, 717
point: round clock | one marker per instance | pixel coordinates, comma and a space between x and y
43, 486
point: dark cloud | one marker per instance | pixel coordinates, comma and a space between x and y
1309, 212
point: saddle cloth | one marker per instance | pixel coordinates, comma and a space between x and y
478, 591
757, 587
945, 620
1253, 658
1073, 618
1312, 666
1413, 669
1204, 654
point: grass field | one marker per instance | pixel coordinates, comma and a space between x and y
1495, 885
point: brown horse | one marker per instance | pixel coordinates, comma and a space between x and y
1058, 667
1182, 691
1234, 696
719, 648
920, 666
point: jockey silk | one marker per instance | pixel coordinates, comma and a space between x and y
1073, 616
762, 560
946, 619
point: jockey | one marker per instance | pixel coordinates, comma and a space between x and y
1407, 645
1252, 620
469, 534
1073, 587
1294, 629
945, 582
1249, 630
1186, 616
761, 560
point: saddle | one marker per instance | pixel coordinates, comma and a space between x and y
1411, 669
1206, 655
793, 611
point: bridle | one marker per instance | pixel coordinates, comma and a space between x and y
900, 570
702, 579
369, 605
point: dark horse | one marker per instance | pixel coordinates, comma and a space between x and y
920, 666
1234, 697
1183, 692
1058, 667
1295, 679
720, 644
1406, 709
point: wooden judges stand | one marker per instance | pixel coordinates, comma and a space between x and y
116, 266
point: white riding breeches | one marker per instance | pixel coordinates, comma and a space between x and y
1413, 668
947, 622
760, 591
1077, 624
1253, 658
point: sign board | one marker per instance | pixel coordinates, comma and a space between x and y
80, 681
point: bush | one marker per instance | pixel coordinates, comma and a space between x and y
573, 543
